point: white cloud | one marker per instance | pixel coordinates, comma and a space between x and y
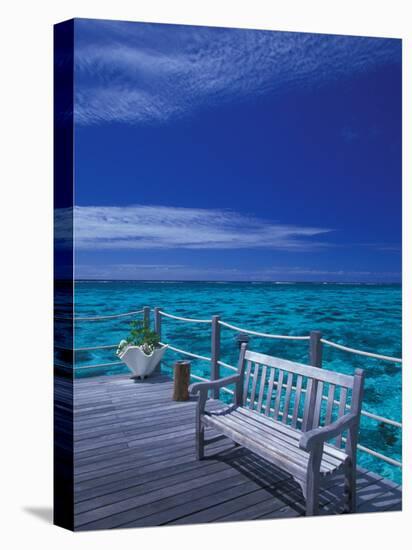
166, 227
150, 73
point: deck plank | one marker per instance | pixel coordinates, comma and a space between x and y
135, 464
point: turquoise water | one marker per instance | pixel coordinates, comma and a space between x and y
366, 317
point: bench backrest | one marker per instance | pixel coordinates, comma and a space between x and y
298, 395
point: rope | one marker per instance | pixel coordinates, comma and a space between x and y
263, 334
99, 318
378, 455
185, 318
227, 366
363, 412
182, 351
199, 378
359, 352
381, 419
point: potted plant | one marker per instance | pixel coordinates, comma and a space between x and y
141, 351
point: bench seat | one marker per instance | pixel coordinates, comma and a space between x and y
272, 440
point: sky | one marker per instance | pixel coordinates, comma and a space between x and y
230, 154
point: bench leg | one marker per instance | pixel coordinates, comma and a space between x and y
349, 490
312, 499
200, 444
200, 440
312, 485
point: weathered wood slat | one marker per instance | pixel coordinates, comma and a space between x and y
287, 398
341, 411
287, 438
298, 394
247, 381
261, 447
134, 490
318, 405
183, 505
278, 394
254, 384
262, 388
269, 391
329, 407
307, 405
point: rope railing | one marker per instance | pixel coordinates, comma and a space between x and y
195, 377
360, 352
381, 418
385, 458
263, 334
324, 341
188, 353
188, 320
227, 366
239, 329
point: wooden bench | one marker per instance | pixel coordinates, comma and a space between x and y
289, 413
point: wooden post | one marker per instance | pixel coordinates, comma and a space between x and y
158, 330
158, 322
146, 316
181, 381
315, 359
214, 365
242, 338
315, 349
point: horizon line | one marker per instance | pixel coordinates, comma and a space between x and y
233, 281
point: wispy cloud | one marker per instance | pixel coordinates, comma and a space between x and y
146, 73
166, 227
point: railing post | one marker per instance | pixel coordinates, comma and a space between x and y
315, 359
158, 322
146, 316
315, 349
215, 355
158, 330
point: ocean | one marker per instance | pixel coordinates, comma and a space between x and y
362, 316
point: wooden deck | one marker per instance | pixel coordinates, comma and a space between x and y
135, 465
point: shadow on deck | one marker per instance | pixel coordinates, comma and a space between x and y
135, 465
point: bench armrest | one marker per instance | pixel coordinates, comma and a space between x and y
318, 436
213, 384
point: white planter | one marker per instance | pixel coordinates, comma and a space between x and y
140, 363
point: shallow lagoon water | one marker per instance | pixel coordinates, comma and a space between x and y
361, 316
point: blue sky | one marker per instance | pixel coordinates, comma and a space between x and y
226, 154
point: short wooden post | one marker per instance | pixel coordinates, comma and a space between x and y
315, 348
146, 316
158, 330
181, 381
215, 355
242, 338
